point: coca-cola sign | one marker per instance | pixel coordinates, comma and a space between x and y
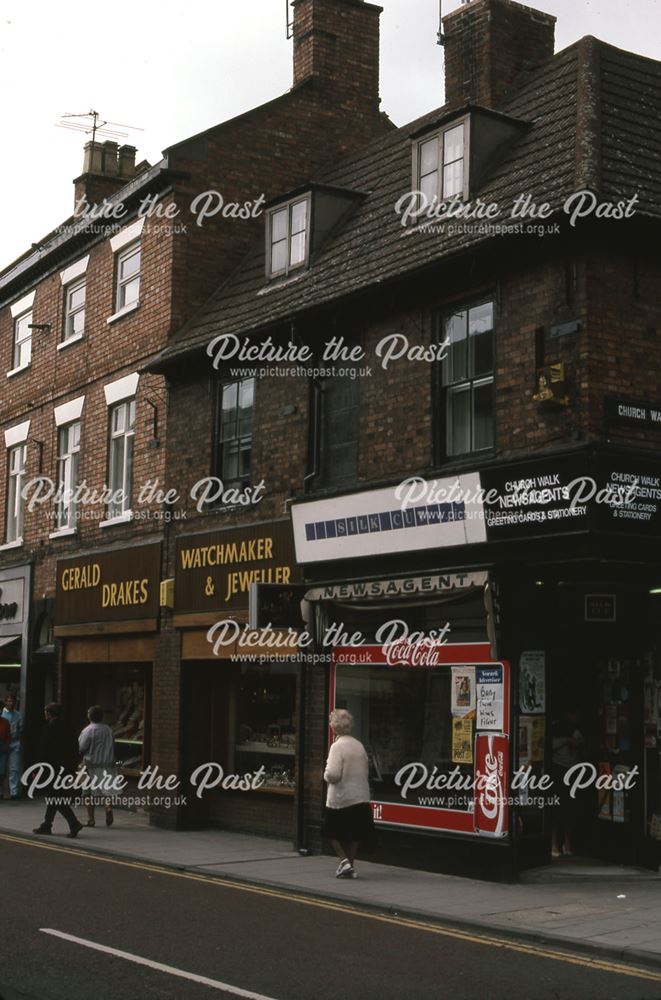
491, 815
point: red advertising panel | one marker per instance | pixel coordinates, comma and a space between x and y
491, 815
435, 723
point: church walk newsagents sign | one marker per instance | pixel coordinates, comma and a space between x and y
214, 570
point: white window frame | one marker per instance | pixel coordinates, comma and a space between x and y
18, 364
16, 470
70, 313
68, 467
124, 482
439, 137
121, 306
467, 383
288, 207
234, 442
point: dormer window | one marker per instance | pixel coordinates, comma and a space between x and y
288, 236
442, 163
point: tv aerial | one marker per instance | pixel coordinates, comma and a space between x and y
91, 123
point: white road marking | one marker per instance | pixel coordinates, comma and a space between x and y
158, 966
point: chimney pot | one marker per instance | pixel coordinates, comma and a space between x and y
127, 161
93, 158
110, 159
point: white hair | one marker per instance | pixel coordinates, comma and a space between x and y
342, 722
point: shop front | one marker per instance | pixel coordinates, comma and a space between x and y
107, 614
14, 634
537, 583
240, 700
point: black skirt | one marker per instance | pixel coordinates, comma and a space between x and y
353, 824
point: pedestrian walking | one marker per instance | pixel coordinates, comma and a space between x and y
59, 748
97, 747
348, 821
5, 740
15, 720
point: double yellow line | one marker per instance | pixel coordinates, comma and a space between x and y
487, 940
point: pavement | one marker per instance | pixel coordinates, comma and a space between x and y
603, 910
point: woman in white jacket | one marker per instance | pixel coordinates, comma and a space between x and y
348, 822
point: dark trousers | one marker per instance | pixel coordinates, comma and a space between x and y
62, 806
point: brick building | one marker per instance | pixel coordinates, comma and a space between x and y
85, 432
506, 360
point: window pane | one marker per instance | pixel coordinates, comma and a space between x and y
230, 461
299, 215
117, 423
129, 265
128, 472
297, 253
76, 323
429, 187
279, 225
483, 416
129, 292
455, 367
453, 144
131, 414
429, 156
458, 421
480, 329
116, 463
246, 397
77, 297
279, 256
228, 412
453, 179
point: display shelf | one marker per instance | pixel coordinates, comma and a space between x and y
263, 748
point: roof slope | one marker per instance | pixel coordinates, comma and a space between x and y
590, 109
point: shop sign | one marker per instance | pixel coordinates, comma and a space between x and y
490, 698
402, 587
111, 586
11, 602
600, 607
536, 498
215, 570
637, 484
491, 816
646, 416
377, 522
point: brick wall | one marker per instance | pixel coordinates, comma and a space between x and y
488, 44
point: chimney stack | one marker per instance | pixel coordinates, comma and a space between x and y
336, 42
488, 43
106, 168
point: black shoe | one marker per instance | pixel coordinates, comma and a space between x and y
74, 831
109, 817
42, 829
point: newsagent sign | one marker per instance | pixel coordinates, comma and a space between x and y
118, 585
214, 571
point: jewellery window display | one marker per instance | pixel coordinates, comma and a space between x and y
265, 730
129, 723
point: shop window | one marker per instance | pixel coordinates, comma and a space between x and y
235, 408
16, 460
68, 455
123, 693
265, 725
120, 465
466, 387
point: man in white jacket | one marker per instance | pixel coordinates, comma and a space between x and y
97, 747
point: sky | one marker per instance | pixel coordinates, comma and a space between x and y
169, 70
